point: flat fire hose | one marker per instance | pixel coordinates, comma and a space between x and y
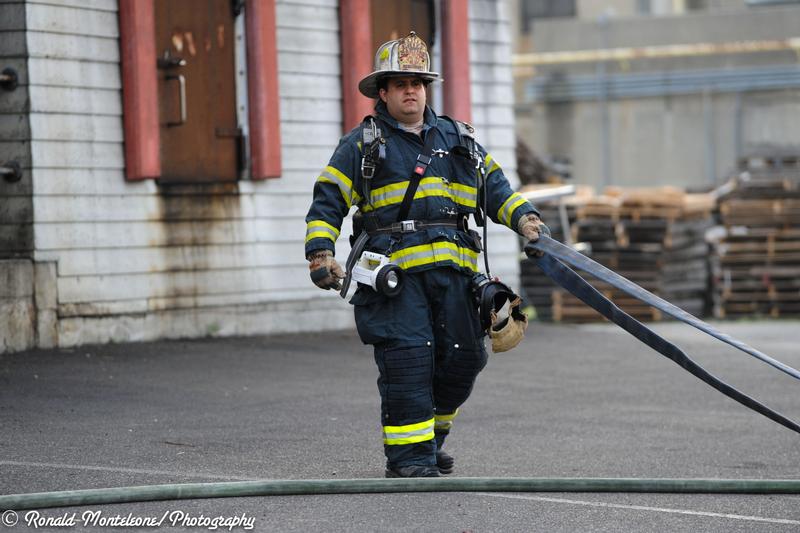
553, 264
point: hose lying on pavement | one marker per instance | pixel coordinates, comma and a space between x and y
231, 489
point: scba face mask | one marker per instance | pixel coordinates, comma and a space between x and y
492, 296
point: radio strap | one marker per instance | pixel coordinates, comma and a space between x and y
421, 165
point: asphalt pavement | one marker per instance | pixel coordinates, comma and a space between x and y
571, 401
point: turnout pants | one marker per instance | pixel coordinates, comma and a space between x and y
429, 349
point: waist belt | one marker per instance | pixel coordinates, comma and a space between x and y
551, 264
410, 226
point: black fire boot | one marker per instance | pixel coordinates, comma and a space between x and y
412, 471
445, 462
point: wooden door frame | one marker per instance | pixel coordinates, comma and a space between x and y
140, 89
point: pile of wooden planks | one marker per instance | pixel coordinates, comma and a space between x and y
537, 287
755, 262
654, 237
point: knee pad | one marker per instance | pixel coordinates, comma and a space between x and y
455, 376
405, 383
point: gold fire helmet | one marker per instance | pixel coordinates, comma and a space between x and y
402, 57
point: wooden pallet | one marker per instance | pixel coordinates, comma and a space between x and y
770, 161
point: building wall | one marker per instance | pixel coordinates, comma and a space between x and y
130, 261
493, 115
137, 261
17, 309
690, 140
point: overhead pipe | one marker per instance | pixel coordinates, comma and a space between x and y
654, 52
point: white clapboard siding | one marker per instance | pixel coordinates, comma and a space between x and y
306, 158
300, 134
307, 17
111, 261
97, 5
302, 63
493, 115
309, 42
310, 85
492, 100
51, 19
90, 235
234, 300
279, 316
178, 207
48, 99
83, 289
76, 127
70, 154
490, 93
74, 73
75, 182
74, 47
310, 111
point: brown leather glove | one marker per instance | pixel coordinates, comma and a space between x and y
531, 227
325, 271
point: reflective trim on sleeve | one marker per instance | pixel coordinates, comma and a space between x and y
490, 164
444, 422
435, 253
506, 211
335, 176
408, 434
321, 229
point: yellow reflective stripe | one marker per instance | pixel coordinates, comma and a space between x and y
321, 229
464, 194
389, 194
408, 434
335, 176
428, 187
490, 164
506, 211
444, 421
435, 252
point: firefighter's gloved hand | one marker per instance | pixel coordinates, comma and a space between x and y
325, 271
531, 227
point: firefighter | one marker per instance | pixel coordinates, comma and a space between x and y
415, 177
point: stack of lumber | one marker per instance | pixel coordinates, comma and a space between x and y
654, 237
756, 253
537, 287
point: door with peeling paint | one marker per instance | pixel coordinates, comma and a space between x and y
200, 138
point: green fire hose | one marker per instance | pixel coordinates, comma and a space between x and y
188, 491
